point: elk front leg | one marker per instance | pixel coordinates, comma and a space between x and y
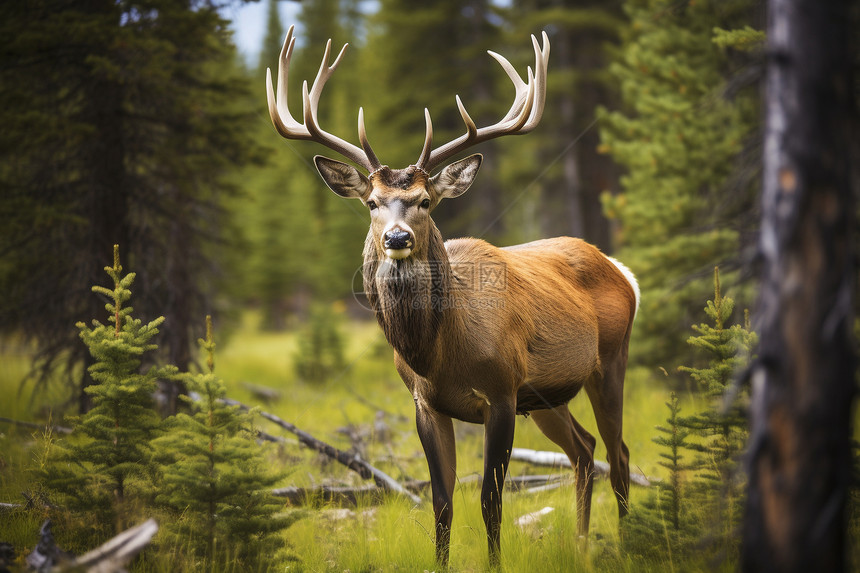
499, 422
436, 432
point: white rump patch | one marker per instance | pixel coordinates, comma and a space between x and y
631, 278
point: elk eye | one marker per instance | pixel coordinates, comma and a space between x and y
425, 204
371, 205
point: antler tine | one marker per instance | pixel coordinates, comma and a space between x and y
541, 63
527, 107
520, 86
278, 109
284, 72
428, 140
324, 73
365, 144
471, 128
310, 130
523, 116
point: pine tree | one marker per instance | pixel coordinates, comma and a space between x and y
728, 348
663, 523
673, 442
106, 467
703, 495
721, 428
686, 136
123, 122
214, 477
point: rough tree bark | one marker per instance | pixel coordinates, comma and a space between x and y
803, 381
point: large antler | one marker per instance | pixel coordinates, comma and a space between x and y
524, 115
310, 129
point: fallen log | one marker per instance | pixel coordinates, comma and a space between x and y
4, 507
532, 518
558, 459
349, 495
518, 483
352, 461
109, 557
117, 552
343, 495
47, 554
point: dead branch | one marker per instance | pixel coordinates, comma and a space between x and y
117, 552
349, 495
109, 557
352, 461
558, 459
532, 518
277, 439
330, 494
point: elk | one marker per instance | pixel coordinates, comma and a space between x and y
481, 333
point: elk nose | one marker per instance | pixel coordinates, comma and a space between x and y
396, 239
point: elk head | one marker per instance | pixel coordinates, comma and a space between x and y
400, 200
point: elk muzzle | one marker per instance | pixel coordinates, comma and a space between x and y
397, 243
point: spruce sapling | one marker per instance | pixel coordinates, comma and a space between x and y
214, 477
106, 466
721, 428
673, 442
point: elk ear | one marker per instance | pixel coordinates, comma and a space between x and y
342, 178
456, 178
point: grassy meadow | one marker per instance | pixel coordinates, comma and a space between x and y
393, 535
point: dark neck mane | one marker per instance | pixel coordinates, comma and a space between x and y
410, 298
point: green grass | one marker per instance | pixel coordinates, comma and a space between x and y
396, 536
393, 535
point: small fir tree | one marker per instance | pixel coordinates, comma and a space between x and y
723, 425
214, 478
673, 442
722, 428
661, 524
106, 466
702, 495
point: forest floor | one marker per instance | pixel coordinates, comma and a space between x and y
366, 406
395, 535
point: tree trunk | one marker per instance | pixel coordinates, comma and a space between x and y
104, 159
803, 381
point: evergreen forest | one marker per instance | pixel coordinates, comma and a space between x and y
185, 339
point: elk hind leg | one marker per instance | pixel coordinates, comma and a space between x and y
562, 429
607, 399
